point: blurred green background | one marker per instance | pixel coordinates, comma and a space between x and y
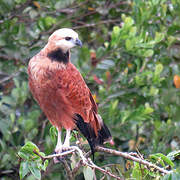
130, 60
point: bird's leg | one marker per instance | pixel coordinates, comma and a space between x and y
67, 139
66, 143
58, 148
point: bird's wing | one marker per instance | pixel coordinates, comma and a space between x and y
76, 93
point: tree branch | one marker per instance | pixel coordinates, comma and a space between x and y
86, 161
68, 170
93, 166
79, 163
95, 24
128, 156
9, 77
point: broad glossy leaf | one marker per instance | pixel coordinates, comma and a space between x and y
24, 169
88, 173
35, 170
29, 148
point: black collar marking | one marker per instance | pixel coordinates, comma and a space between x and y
58, 55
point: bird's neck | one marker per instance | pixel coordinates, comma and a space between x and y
57, 54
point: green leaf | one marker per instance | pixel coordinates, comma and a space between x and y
106, 64
2, 40
172, 176
148, 109
35, 170
29, 148
159, 37
153, 91
12, 117
116, 30
115, 35
23, 155
133, 31
172, 155
23, 170
118, 94
45, 164
41, 24
115, 104
129, 21
128, 44
73, 161
159, 157
136, 173
139, 80
53, 134
158, 69
88, 173
165, 159
148, 53
49, 21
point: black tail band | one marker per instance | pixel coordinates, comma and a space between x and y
88, 132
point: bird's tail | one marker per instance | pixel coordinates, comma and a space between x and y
102, 136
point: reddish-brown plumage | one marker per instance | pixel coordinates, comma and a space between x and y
62, 93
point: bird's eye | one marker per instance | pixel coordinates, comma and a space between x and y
68, 38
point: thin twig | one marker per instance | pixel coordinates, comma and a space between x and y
84, 161
79, 163
42, 128
95, 24
92, 165
6, 57
103, 177
59, 154
128, 156
68, 170
9, 77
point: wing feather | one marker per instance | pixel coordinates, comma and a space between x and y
74, 89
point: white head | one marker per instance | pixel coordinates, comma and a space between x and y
65, 39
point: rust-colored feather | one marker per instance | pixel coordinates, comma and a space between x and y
61, 92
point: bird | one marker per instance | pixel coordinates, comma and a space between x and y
62, 94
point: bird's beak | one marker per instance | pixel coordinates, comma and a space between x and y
78, 42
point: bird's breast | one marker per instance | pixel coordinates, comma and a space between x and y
43, 68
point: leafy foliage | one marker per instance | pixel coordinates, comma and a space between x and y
129, 60
30, 152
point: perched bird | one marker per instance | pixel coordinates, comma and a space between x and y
62, 93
